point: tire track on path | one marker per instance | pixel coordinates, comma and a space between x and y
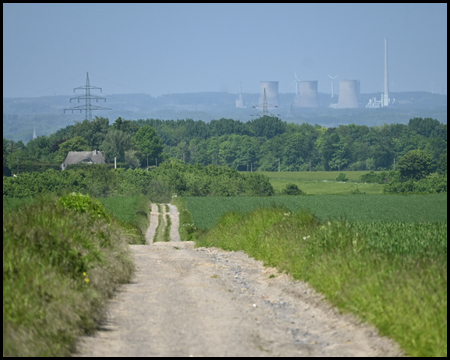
151, 230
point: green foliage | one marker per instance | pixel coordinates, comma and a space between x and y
415, 165
393, 275
167, 228
267, 126
342, 177
261, 144
115, 144
148, 142
442, 166
77, 143
382, 177
84, 203
59, 268
428, 185
291, 189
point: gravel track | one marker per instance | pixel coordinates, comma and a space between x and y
184, 301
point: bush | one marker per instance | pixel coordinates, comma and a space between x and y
291, 189
342, 177
83, 203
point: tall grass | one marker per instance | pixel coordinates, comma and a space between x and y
393, 275
59, 267
159, 233
187, 228
167, 228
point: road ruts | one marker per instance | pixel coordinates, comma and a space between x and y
151, 230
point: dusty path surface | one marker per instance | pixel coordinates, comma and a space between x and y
184, 301
151, 230
175, 219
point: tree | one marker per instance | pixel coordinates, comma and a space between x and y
415, 165
267, 126
115, 144
76, 144
148, 143
442, 165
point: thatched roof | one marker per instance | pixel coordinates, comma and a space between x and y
89, 157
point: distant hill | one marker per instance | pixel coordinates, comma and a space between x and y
22, 115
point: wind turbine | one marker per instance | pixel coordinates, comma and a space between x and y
332, 84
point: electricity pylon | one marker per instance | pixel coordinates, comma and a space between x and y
264, 106
88, 107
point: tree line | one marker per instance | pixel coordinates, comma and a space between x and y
264, 144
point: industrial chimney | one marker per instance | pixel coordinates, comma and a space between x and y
348, 94
271, 93
309, 96
385, 100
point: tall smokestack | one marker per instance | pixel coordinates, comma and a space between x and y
386, 83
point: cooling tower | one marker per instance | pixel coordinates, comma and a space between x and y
309, 96
348, 94
271, 93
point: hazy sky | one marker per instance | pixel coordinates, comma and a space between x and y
176, 48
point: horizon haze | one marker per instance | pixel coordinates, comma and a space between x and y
159, 49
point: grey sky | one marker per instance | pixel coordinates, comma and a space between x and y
175, 48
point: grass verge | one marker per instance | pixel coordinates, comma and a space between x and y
393, 275
159, 233
187, 229
61, 261
167, 228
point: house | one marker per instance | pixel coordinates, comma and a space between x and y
85, 157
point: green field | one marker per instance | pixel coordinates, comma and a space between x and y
206, 211
322, 182
131, 212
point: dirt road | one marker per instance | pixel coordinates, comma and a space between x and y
207, 302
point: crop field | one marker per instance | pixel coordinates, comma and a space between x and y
124, 208
131, 212
322, 182
206, 211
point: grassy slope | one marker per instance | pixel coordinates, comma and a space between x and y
375, 270
59, 268
206, 211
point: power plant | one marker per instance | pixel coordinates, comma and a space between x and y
348, 94
309, 96
271, 90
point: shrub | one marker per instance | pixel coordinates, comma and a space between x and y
342, 177
84, 203
291, 189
